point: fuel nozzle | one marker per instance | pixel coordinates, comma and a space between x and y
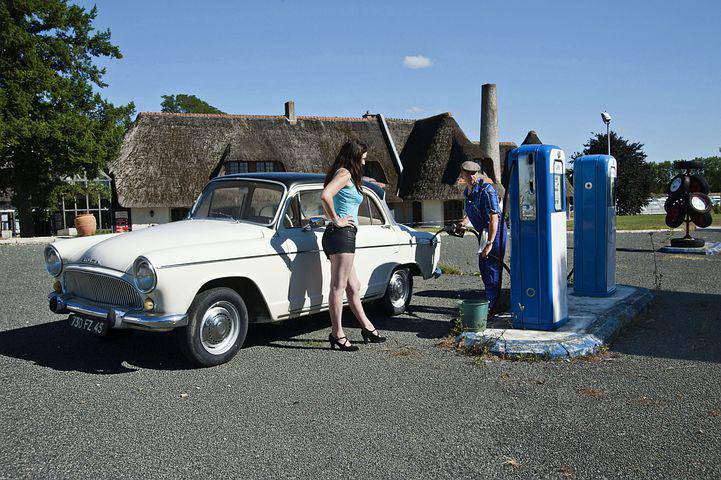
455, 229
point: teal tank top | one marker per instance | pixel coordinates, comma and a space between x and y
347, 201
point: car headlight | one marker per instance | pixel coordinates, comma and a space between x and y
53, 261
144, 275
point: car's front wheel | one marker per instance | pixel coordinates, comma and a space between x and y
217, 326
398, 292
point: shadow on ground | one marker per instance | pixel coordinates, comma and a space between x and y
678, 325
58, 346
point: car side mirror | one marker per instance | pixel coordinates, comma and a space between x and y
313, 223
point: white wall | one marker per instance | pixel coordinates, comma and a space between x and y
141, 217
432, 212
401, 211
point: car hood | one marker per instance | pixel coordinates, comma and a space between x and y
120, 251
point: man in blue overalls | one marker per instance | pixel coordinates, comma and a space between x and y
484, 213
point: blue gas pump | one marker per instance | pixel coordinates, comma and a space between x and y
594, 225
537, 201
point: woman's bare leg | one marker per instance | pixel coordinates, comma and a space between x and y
341, 265
352, 293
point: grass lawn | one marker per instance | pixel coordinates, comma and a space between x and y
627, 222
646, 222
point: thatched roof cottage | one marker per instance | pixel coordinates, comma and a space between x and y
166, 158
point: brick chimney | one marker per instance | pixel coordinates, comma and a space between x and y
290, 112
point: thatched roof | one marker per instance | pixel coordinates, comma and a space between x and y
532, 139
166, 158
432, 158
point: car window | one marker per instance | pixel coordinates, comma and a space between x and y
291, 217
302, 207
227, 202
376, 215
368, 213
239, 200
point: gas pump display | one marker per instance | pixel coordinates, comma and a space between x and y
527, 192
537, 197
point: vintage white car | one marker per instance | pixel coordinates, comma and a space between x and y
250, 251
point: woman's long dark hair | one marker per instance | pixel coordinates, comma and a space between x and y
349, 157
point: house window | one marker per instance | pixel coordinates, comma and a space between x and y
265, 167
236, 167
452, 211
251, 167
374, 171
177, 214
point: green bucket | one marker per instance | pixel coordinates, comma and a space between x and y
473, 314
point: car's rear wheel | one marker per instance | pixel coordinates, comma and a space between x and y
217, 327
398, 292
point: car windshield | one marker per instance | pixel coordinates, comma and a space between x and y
239, 200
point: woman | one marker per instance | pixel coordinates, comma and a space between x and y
341, 198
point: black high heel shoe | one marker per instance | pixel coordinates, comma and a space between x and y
335, 342
370, 336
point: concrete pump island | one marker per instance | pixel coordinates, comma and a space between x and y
554, 313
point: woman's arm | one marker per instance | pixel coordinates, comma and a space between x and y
340, 180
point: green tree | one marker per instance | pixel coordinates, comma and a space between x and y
635, 179
182, 103
712, 172
53, 122
662, 172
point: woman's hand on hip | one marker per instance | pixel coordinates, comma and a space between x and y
344, 222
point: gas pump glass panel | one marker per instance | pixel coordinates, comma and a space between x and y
526, 186
612, 187
558, 185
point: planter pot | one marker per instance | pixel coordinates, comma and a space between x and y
86, 224
473, 314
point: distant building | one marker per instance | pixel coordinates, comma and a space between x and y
59, 218
166, 159
9, 227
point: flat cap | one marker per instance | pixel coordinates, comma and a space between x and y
470, 166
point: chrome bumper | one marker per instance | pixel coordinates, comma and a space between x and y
118, 318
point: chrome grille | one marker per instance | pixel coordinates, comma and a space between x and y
103, 289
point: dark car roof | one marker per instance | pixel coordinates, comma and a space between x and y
288, 179
291, 179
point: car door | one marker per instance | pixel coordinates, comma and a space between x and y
377, 245
301, 248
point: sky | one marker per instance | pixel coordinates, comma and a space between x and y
655, 66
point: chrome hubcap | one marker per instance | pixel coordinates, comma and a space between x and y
219, 327
398, 288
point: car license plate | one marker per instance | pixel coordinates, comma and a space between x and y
95, 326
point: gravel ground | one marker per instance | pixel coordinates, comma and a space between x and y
74, 406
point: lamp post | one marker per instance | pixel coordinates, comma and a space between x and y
607, 120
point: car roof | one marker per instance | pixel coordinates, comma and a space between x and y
291, 179
288, 179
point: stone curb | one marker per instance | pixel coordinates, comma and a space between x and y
28, 241
599, 333
711, 248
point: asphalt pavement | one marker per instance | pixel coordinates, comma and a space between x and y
74, 406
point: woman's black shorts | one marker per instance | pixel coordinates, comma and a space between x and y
339, 239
